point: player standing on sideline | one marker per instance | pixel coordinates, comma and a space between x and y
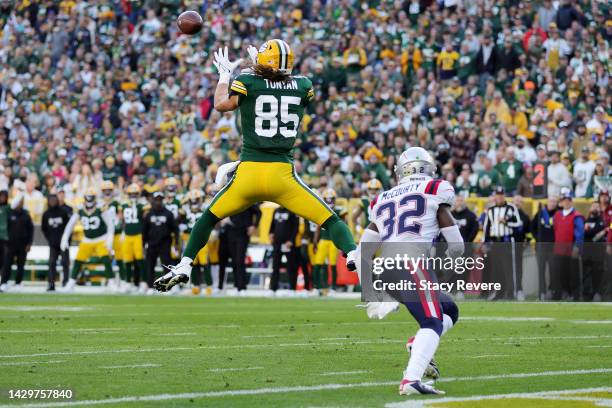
193, 210
114, 208
417, 210
373, 188
159, 229
98, 229
326, 253
271, 102
173, 203
54, 221
132, 214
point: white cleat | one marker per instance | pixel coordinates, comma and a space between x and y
408, 387
69, 288
176, 274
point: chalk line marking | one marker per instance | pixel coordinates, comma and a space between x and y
321, 387
131, 366
547, 395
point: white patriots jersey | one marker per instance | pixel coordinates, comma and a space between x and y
409, 212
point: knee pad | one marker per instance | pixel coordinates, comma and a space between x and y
450, 308
432, 323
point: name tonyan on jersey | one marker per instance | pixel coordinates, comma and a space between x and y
282, 85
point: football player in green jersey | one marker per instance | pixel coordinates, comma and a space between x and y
271, 102
132, 214
173, 204
373, 188
326, 253
98, 230
112, 205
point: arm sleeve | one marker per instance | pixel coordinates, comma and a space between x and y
579, 230
145, 228
452, 235
308, 93
445, 193
515, 221
108, 218
70, 226
486, 227
44, 225
239, 87
473, 231
30, 228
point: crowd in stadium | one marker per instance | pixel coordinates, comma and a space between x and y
95, 91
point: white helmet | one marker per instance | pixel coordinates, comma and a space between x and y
414, 162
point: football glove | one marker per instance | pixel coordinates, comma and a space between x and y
225, 67
253, 54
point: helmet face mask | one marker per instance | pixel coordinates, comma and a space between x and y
108, 193
90, 201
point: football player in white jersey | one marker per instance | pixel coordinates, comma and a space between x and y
417, 210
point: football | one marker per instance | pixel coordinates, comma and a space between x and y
190, 22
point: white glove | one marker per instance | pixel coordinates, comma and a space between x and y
224, 65
253, 54
64, 244
221, 178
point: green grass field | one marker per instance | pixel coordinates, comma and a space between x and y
183, 351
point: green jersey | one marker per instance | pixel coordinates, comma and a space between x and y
174, 206
191, 216
133, 214
115, 207
4, 210
340, 212
270, 114
93, 223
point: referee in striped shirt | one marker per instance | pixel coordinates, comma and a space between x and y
499, 223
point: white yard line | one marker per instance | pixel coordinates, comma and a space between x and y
221, 370
507, 340
46, 308
311, 388
263, 336
491, 355
19, 363
591, 321
212, 347
177, 334
600, 346
131, 366
547, 395
345, 372
506, 319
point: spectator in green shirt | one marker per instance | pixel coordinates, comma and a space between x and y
510, 171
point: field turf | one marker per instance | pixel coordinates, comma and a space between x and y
166, 351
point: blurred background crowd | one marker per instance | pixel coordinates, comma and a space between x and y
109, 90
